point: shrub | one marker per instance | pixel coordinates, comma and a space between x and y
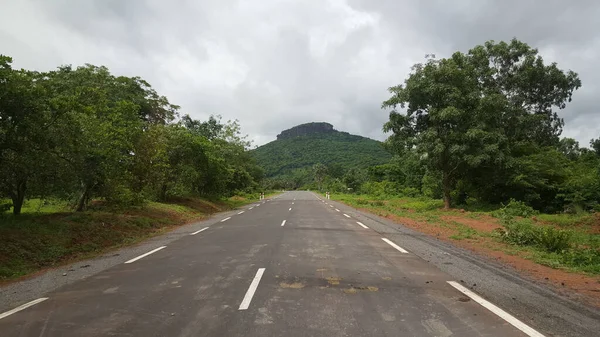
423, 205
553, 240
410, 192
377, 203
524, 233
362, 201
588, 258
519, 233
515, 208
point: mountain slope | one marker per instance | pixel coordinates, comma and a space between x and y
308, 144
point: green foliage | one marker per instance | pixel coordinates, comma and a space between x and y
484, 120
380, 189
553, 240
520, 233
422, 204
515, 208
586, 259
79, 134
525, 233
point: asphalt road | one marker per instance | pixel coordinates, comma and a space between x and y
295, 265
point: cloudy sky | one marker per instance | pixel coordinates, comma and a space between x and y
273, 64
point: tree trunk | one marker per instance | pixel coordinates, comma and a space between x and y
82, 202
18, 198
446, 190
163, 192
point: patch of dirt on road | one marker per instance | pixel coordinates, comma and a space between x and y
580, 287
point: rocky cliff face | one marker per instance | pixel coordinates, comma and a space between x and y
306, 129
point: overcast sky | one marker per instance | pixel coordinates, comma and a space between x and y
273, 64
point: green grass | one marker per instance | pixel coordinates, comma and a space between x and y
567, 220
464, 232
49, 236
45, 206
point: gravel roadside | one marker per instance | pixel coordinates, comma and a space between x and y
535, 304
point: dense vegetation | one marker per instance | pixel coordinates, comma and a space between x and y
290, 160
83, 134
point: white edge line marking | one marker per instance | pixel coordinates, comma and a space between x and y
242, 212
23, 306
227, 218
250, 293
400, 249
529, 331
337, 210
362, 224
290, 209
283, 223
202, 230
144, 255
346, 215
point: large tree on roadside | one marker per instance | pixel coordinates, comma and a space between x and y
28, 126
465, 115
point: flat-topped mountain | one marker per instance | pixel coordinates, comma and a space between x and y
307, 129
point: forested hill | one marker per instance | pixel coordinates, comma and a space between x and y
305, 145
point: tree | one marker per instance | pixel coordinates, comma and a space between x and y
319, 171
466, 114
570, 148
354, 178
27, 127
595, 145
445, 119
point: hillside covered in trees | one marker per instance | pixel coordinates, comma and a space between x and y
298, 149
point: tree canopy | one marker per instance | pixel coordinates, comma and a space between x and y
478, 119
83, 133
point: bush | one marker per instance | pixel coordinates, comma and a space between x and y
377, 203
587, 258
362, 201
524, 233
423, 205
515, 208
553, 240
410, 192
518, 232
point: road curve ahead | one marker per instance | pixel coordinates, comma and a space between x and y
289, 266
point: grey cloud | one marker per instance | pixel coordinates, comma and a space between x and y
274, 64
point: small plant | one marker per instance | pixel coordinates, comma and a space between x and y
587, 258
515, 208
410, 192
362, 201
553, 240
518, 233
377, 203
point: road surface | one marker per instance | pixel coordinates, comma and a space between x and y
295, 265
